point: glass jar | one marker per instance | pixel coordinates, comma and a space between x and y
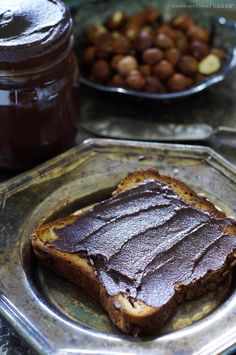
39, 106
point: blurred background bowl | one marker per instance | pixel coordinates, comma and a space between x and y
222, 35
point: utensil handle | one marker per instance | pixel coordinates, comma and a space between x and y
225, 136
226, 130
222, 21
227, 29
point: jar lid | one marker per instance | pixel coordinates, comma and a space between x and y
31, 28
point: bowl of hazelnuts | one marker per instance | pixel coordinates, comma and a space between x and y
145, 55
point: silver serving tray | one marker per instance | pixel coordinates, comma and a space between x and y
55, 317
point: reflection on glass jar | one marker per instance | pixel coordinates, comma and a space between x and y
38, 82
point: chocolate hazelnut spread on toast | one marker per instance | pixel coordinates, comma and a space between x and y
145, 241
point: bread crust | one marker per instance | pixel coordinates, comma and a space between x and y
130, 315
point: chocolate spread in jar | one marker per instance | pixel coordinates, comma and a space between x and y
146, 240
38, 77
30, 28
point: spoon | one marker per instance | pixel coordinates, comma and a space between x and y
124, 128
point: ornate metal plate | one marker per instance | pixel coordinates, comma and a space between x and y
55, 317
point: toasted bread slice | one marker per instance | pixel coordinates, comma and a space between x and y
132, 314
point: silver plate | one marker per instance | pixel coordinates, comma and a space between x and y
37, 308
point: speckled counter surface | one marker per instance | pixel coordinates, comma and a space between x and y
10, 343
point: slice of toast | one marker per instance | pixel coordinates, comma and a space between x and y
168, 278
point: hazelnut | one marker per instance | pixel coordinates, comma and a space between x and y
151, 15
189, 82
218, 52
101, 70
188, 65
179, 82
89, 55
146, 29
117, 80
199, 49
153, 84
163, 69
137, 19
127, 64
209, 65
183, 21
115, 60
168, 30
132, 32
198, 33
145, 69
182, 44
115, 34
121, 45
152, 55
101, 54
94, 32
173, 55
180, 34
116, 20
198, 77
135, 80
105, 42
143, 41
164, 41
